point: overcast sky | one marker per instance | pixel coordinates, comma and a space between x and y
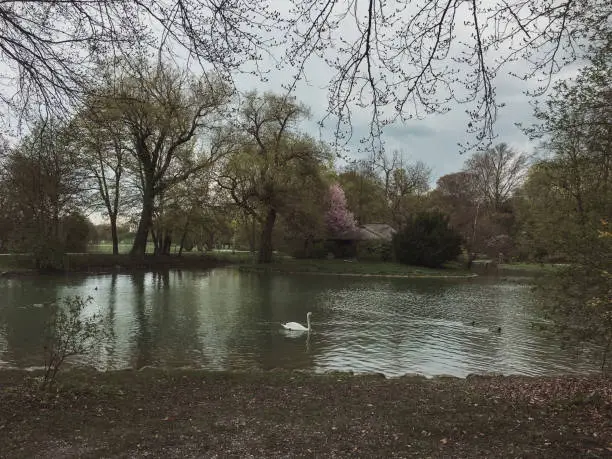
433, 139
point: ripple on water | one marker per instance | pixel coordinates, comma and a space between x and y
224, 319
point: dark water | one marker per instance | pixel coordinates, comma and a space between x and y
225, 319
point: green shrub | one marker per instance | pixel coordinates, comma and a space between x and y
67, 334
316, 250
375, 250
427, 240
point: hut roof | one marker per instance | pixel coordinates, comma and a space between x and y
379, 231
370, 232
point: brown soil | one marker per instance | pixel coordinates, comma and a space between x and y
189, 413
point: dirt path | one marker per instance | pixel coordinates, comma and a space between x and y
283, 414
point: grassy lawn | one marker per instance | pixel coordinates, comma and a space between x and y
108, 248
188, 413
532, 267
238, 256
352, 268
15, 262
100, 256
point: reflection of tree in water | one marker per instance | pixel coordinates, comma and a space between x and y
24, 335
219, 302
24, 316
3, 343
166, 312
108, 358
142, 341
175, 319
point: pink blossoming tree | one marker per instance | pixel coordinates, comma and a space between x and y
338, 219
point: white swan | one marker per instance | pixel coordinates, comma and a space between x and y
296, 326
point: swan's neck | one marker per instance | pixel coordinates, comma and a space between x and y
308, 322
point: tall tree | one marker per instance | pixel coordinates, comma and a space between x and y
497, 173
456, 195
303, 220
365, 193
101, 144
6, 222
567, 200
183, 210
163, 110
483, 229
42, 187
273, 161
403, 182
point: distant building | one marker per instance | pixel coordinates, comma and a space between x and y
346, 245
375, 231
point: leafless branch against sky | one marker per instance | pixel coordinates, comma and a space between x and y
399, 60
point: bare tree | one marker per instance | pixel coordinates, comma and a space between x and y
101, 145
497, 173
401, 59
401, 181
162, 111
49, 48
387, 165
398, 59
400, 177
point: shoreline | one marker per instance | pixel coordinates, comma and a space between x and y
92, 264
37, 371
16, 266
331, 273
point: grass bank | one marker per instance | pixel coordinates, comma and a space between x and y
531, 268
102, 261
23, 264
354, 268
286, 414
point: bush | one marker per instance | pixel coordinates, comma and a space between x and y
300, 250
76, 233
427, 240
374, 250
68, 334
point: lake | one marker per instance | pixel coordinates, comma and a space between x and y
224, 319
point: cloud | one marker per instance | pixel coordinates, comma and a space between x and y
434, 139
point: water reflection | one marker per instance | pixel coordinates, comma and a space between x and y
224, 319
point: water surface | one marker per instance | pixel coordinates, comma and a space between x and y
225, 319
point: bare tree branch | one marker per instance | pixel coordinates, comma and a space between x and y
49, 48
403, 59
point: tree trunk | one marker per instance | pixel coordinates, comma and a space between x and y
470, 260
139, 247
156, 244
307, 247
265, 249
166, 243
182, 244
114, 235
252, 237
184, 236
